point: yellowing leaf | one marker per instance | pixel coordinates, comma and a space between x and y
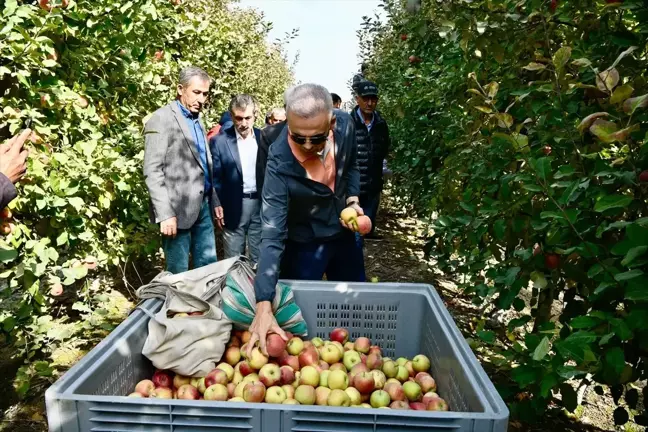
607, 80
621, 93
492, 89
561, 57
581, 62
533, 66
632, 104
484, 109
623, 134
603, 130
587, 121
504, 120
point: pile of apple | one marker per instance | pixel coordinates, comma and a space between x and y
316, 372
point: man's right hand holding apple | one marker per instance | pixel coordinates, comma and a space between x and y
264, 323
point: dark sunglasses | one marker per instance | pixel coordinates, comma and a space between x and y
314, 139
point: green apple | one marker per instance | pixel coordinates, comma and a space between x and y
421, 363
412, 391
275, 395
338, 397
379, 399
350, 359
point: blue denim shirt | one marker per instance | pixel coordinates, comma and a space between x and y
193, 121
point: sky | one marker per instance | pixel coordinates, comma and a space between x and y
327, 43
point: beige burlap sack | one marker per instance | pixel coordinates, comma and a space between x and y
187, 345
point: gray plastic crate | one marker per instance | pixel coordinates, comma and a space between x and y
404, 319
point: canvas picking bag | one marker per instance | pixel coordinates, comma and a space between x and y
188, 345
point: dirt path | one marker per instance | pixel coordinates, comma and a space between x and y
398, 257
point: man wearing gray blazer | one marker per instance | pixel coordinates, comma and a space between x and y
179, 178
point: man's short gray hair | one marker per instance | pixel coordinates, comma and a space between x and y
191, 72
277, 112
308, 100
241, 102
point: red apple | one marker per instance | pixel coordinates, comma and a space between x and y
375, 349
287, 375
364, 382
245, 368
364, 225
437, 404
403, 37
217, 376
395, 391
339, 335
275, 345
358, 369
374, 361
270, 375
309, 357
428, 397
163, 378
145, 387
292, 361
418, 406
57, 288
349, 346
414, 59
552, 261
323, 365
187, 391
643, 177
401, 405
546, 150
159, 55
254, 392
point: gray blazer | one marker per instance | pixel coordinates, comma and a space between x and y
174, 175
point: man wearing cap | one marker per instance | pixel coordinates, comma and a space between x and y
372, 135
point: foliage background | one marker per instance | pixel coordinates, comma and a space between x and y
88, 73
534, 206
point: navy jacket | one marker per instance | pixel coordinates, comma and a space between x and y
372, 150
228, 174
297, 208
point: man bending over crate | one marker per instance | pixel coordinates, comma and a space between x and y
311, 176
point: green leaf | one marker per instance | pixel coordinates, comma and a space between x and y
7, 254
628, 275
511, 275
76, 202
615, 359
486, 336
608, 202
62, 238
621, 93
543, 167
569, 372
524, 375
583, 322
542, 349
632, 254
574, 346
521, 142
548, 383
499, 228
587, 122
637, 289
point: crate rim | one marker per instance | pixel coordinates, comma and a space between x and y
494, 407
